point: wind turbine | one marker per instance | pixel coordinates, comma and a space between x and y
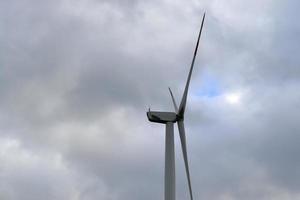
169, 118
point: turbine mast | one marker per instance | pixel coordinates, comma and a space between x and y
170, 191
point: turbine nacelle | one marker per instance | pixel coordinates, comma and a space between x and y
161, 117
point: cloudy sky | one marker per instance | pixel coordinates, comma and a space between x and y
76, 78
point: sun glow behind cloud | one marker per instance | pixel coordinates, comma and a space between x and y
233, 98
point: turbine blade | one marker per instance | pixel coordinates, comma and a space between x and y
185, 93
174, 102
184, 152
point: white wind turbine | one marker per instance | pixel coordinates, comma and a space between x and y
169, 118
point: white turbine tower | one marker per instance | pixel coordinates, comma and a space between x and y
169, 118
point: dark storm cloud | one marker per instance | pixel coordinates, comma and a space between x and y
77, 77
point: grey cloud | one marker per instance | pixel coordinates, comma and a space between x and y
77, 77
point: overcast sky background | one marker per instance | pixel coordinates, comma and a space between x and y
76, 78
